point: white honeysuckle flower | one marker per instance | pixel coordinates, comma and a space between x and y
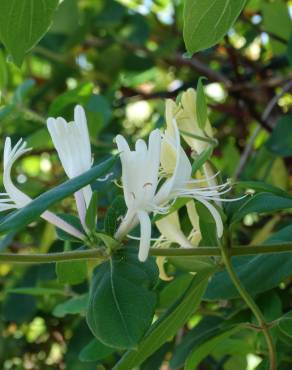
140, 177
185, 114
181, 184
71, 140
15, 198
140, 169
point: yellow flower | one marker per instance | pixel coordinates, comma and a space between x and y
185, 114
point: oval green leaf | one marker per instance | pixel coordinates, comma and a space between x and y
121, 303
167, 325
207, 21
23, 23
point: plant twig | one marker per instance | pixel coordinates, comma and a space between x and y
251, 304
171, 252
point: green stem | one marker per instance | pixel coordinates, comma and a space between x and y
171, 252
214, 251
53, 257
226, 256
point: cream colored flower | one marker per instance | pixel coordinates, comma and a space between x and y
140, 180
71, 140
186, 117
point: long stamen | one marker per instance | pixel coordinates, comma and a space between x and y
151, 239
214, 188
204, 179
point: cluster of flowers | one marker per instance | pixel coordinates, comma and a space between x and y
153, 176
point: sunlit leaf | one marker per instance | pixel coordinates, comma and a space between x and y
207, 21
23, 23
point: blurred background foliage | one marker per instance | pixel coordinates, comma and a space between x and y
120, 60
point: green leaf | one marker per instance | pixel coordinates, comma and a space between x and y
22, 91
207, 226
94, 351
121, 304
193, 263
23, 23
22, 217
201, 104
260, 186
37, 291
91, 213
173, 289
207, 21
201, 158
262, 203
98, 112
167, 325
79, 95
276, 20
285, 324
199, 353
39, 139
71, 272
66, 18
280, 141
258, 273
72, 220
116, 210
73, 306
110, 242
289, 50
3, 71
207, 328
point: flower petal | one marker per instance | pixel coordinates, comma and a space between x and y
10, 156
71, 140
81, 123
169, 226
145, 235
215, 214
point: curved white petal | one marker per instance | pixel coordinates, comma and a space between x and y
81, 123
154, 149
10, 156
182, 170
145, 235
71, 140
128, 223
214, 213
141, 147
